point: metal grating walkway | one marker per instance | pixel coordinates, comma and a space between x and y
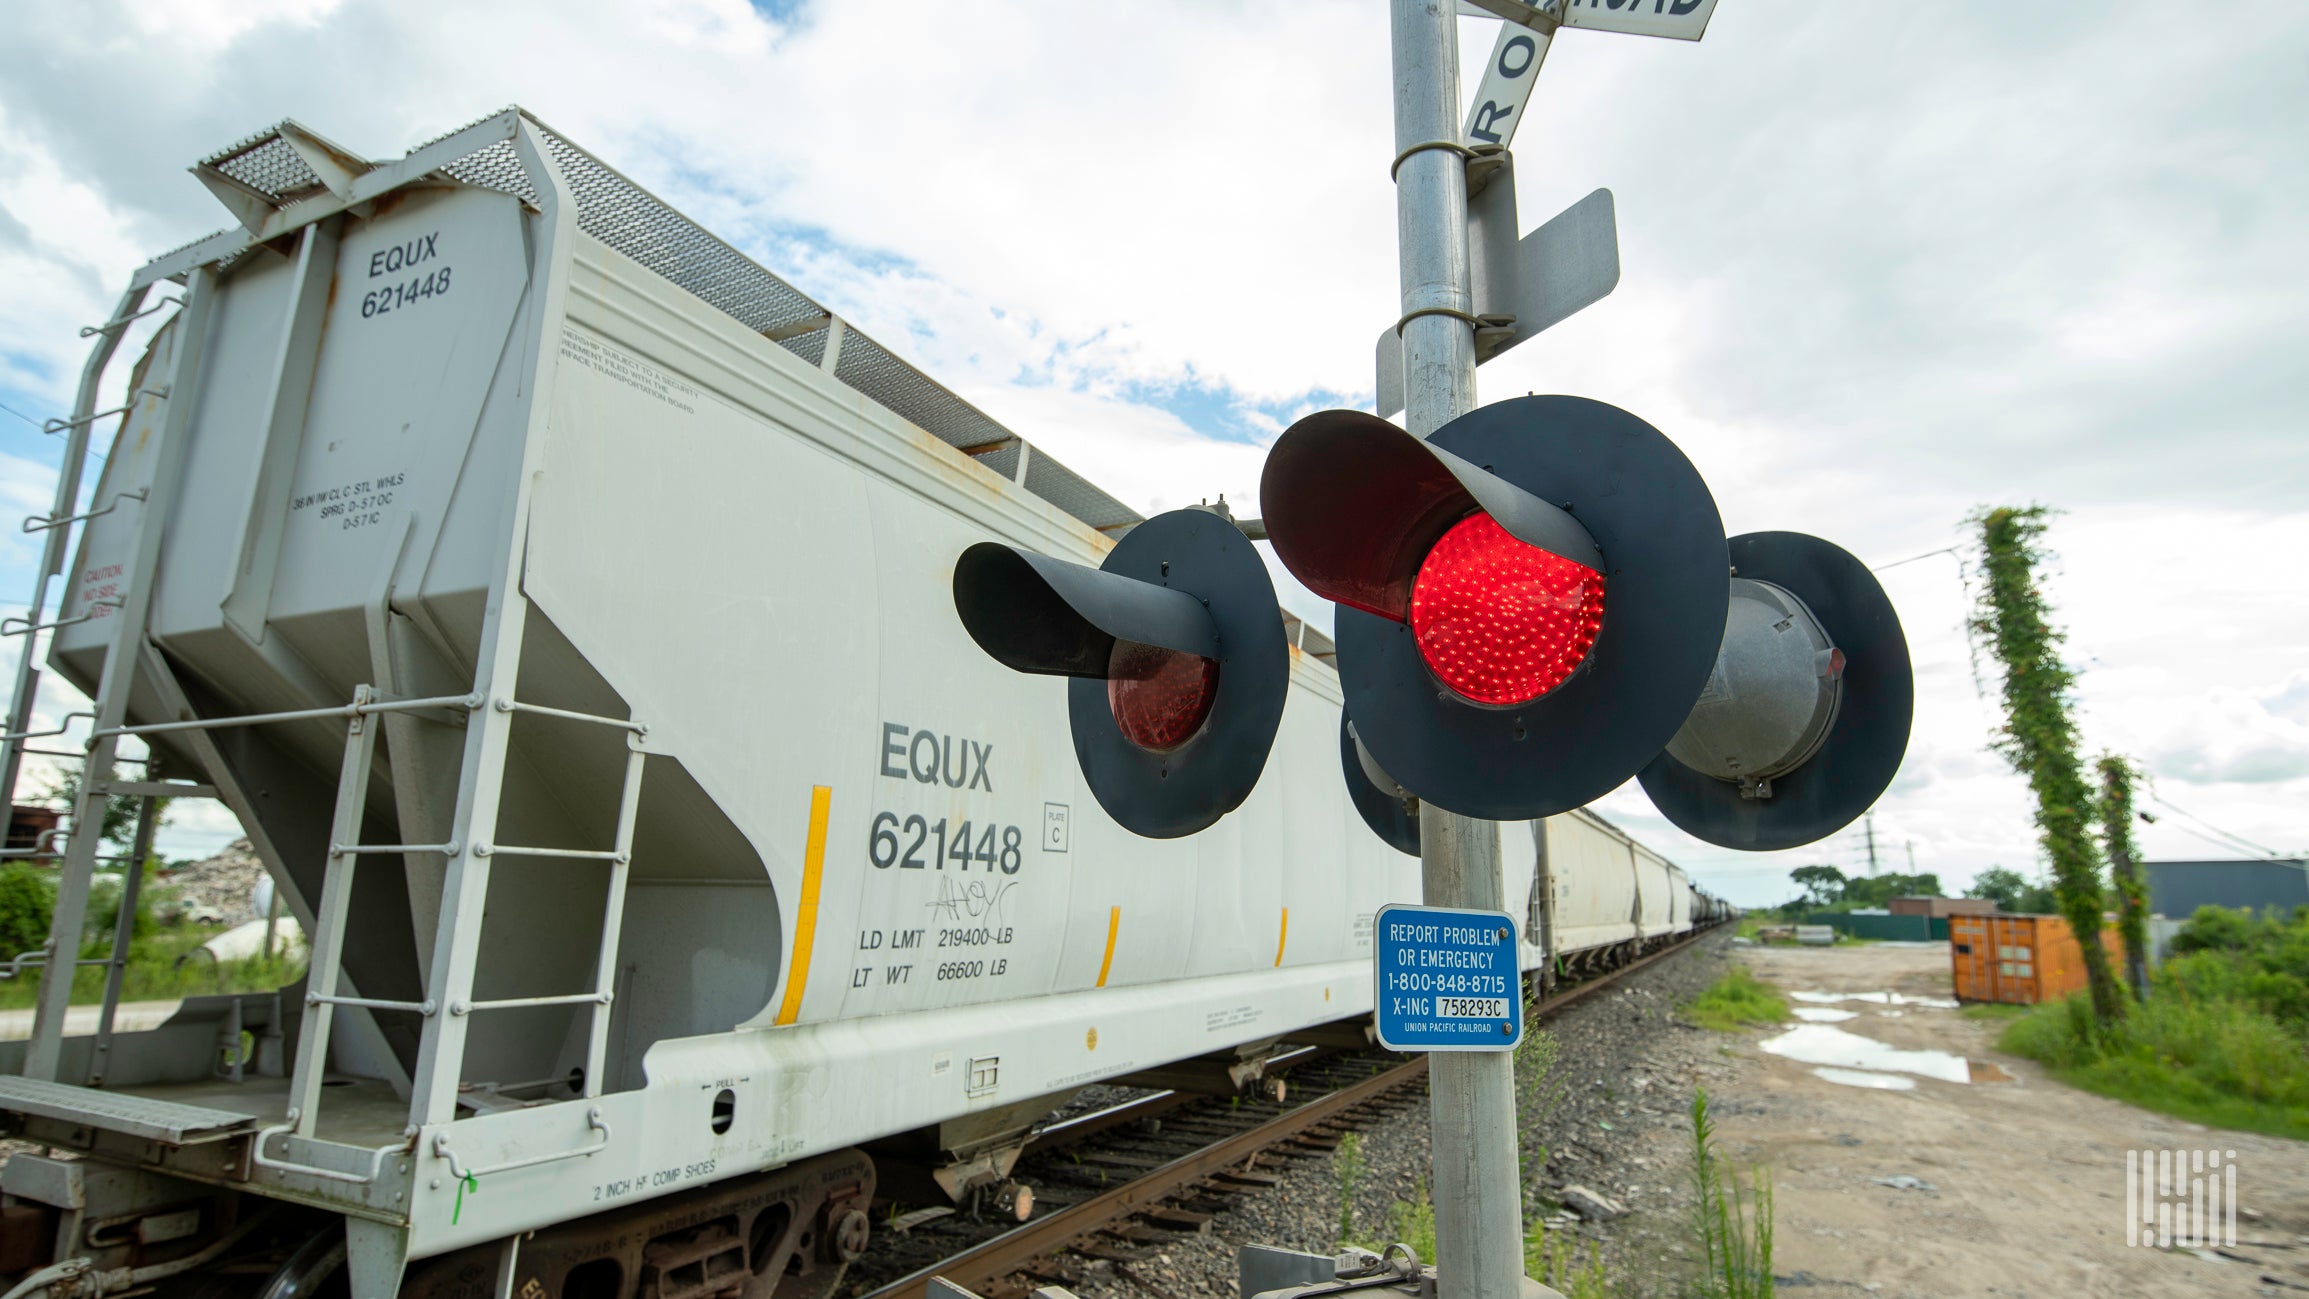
623, 215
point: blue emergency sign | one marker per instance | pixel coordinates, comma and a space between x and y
1448, 980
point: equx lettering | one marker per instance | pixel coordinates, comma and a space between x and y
933, 759
401, 257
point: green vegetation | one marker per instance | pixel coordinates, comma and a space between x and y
26, 902
2234, 955
120, 810
2012, 892
1559, 1262
155, 972
1411, 1223
1822, 885
1734, 1229
1829, 889
1736, 999
2116, 816
159, 967
2039, 739
1347, 1166
2223, 1039
1992, 1010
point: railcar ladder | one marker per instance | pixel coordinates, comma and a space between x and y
449, 1006
59, 524
43, 1055
97, 782
448, 997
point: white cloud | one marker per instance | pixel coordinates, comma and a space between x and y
212, 25
1880, 266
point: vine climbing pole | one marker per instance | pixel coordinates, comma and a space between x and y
2116, 811
2013, 618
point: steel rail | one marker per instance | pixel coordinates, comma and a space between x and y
1012, 1249
1085, 1126
990, 1260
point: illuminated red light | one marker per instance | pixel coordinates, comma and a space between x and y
1160, 697
1502, 622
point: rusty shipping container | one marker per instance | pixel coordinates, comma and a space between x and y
2018, 959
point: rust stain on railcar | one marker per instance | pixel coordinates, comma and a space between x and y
961, 468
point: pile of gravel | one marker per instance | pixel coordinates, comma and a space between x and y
224, 882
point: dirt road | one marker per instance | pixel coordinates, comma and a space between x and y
2024, 1186
131, 1017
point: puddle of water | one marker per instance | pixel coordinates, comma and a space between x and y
1875, 998
1823, 1015
1889, 1082
1822, 1045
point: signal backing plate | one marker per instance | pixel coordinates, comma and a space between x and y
1166, 795
1388, 817
1664, 599
1863, 748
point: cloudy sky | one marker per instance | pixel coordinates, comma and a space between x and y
1883, 264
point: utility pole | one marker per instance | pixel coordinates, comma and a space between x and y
1478, 1188
1870, 823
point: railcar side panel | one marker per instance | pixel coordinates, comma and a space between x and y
1595, 883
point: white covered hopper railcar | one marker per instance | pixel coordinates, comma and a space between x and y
560, 601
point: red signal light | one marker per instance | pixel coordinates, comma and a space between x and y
1160, 697
1500, 621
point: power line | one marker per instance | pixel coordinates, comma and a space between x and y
2210, 839
22, 416
1944, 550
2234, 840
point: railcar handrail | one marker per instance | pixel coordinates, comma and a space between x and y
593, 1120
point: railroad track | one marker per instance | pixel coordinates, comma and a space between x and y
1121, 1181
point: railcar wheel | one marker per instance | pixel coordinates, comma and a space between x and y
309, 1269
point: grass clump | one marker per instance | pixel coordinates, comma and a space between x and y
1557, 1261
1736, 999
2222, 1040
1347, 1167
161, 969
163, 960
1409, 1223
1734, 1228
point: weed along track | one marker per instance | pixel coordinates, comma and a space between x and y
1129, 1183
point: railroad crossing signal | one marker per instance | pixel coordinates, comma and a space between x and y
1539, 603
1805, 717
1529, 602
1176, 654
